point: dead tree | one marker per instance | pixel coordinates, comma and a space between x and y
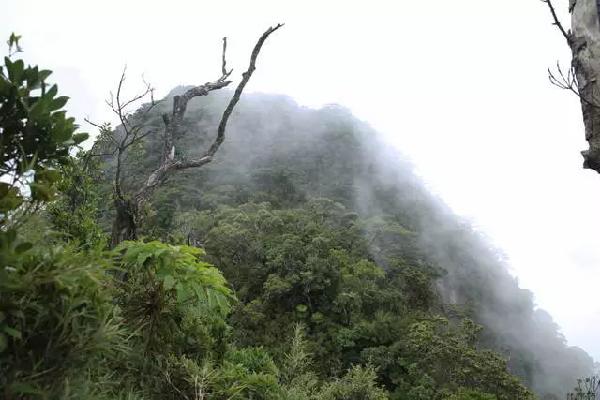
582, 78
128, 206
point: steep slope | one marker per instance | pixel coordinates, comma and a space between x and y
282, 165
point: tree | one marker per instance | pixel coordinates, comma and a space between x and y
75, 211
584, 41
35, 135
132, 131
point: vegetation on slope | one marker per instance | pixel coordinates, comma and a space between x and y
306, 262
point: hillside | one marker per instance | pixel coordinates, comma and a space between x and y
313, 219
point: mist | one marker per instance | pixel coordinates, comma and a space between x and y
328, 153
449, 129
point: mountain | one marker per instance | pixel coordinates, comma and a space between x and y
314, 218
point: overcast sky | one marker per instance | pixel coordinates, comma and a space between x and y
459, 86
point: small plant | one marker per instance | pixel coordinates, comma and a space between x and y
587, 389
169, 295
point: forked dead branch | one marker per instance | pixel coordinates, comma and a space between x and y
128, 206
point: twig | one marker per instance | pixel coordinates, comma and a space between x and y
224, 72
569, 82
557, 23
238, 91
134, 131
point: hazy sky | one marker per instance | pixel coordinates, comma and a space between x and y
459, 86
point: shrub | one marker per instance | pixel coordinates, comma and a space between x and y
57, 320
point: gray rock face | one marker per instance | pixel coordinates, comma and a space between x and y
585, 45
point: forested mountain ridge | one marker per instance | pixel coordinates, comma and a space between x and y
314, 219
303, 261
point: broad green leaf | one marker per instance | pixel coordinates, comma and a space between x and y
168, 282
24, 388
40, 192
39, 108
13, 40
58, 103
22, 248
47, 176
15, 71
12, 332
80, 137
52, 92
44, 74
10, 198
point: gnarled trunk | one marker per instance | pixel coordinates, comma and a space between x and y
584, 40
124, 224
128, 208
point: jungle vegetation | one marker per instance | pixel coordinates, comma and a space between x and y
306, 261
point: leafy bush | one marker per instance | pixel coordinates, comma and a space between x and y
170, 296
75, 212
248, 373
359, 383
176, 305
57, 319
466, 394
154, 321
36, 134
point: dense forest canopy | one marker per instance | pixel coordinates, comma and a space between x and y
305, 261
281, 158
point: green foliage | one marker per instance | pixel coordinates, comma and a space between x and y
57, 319
311, 265
243, 374
331, 283
170, 296
359, 383
297, 373
467, 394
248, 374
449, 356
36, 134
177, 306
288, 156
75, 212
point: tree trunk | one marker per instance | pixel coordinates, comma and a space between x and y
125, 222
585, 45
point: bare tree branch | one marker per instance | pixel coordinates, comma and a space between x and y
132, 133
94, 124
173, 122
207, 157
568, 81
557, 23
148, 90
128, 207
224, 73
136, 138
238, 91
